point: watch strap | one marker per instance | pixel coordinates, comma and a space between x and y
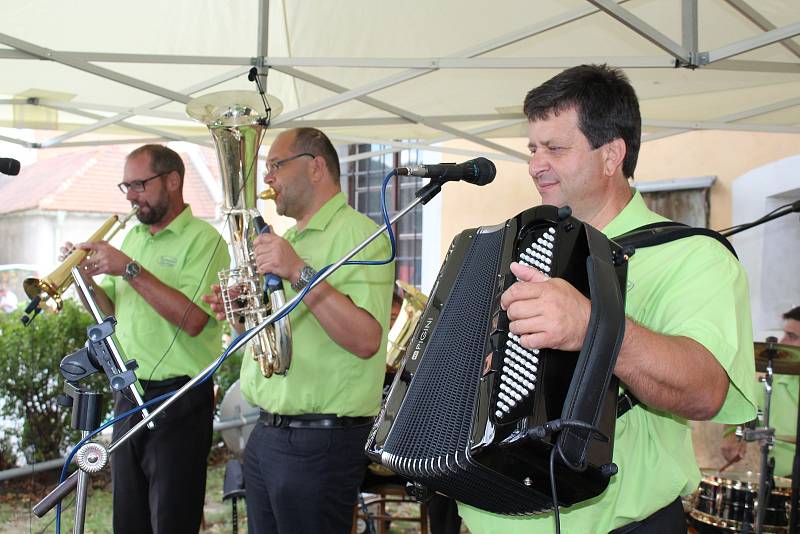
307, 273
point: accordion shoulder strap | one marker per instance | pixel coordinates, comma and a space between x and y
651, 235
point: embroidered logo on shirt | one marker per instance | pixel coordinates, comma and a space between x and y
168, 261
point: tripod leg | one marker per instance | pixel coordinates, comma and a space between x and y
234, 516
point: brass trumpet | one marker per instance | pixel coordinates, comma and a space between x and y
56, 283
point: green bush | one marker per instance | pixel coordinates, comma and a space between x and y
30, 379
228, 372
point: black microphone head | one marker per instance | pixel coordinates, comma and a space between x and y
252, 74
482, 173
9, 166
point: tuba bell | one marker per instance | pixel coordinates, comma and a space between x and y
237, 127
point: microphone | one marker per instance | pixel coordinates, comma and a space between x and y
271, 282
478, 171
9, 166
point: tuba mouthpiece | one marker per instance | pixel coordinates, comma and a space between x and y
267, 194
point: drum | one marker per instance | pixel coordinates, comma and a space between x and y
238, 417
727, 501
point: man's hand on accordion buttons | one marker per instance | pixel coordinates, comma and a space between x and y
546, 312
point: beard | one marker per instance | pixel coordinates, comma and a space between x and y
154, 213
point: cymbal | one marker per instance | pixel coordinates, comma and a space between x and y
785, 361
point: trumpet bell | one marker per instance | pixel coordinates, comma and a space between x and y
35, 287
56, 283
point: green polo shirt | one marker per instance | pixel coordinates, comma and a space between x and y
323, 377
783, 418
186, 255
691, 287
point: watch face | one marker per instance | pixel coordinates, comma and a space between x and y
306, 274
132, 269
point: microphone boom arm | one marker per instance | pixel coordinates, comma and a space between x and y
65, 487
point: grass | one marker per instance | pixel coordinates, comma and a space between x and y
18, 497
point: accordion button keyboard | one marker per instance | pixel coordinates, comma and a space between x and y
517, 375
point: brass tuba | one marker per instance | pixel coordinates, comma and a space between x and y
402, 329
237, 126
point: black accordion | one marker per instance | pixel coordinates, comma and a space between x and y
471, 413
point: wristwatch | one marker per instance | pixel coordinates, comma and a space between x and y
132, 270
306, 274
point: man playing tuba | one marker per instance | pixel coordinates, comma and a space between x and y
304, 460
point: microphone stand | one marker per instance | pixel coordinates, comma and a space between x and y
766, 482
424, 195
120, 376
780, 212
762, 490
100, 352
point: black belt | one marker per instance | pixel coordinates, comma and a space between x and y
671, 518
312, 420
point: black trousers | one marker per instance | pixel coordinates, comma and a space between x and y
303, 480
669, 520
443, 515
159, 475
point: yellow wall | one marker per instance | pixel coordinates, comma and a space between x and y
466, 206
726, 155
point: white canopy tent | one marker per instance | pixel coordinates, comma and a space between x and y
379, 71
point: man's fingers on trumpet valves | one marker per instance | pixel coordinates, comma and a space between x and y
66, 249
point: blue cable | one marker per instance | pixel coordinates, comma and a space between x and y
225, 354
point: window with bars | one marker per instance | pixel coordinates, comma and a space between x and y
364, 166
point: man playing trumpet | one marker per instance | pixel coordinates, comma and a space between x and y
153, 286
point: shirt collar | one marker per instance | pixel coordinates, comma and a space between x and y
175, 226
323, 217
632, 216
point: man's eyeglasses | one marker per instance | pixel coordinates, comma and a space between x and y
274, 167
138, 185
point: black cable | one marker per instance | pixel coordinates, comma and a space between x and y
186, 311
759, 220
253, 77
556, 515
552, 427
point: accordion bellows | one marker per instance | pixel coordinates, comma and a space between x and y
459, 414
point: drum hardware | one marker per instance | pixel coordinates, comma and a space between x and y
773, 357
766, 481
785, 358
729, 503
